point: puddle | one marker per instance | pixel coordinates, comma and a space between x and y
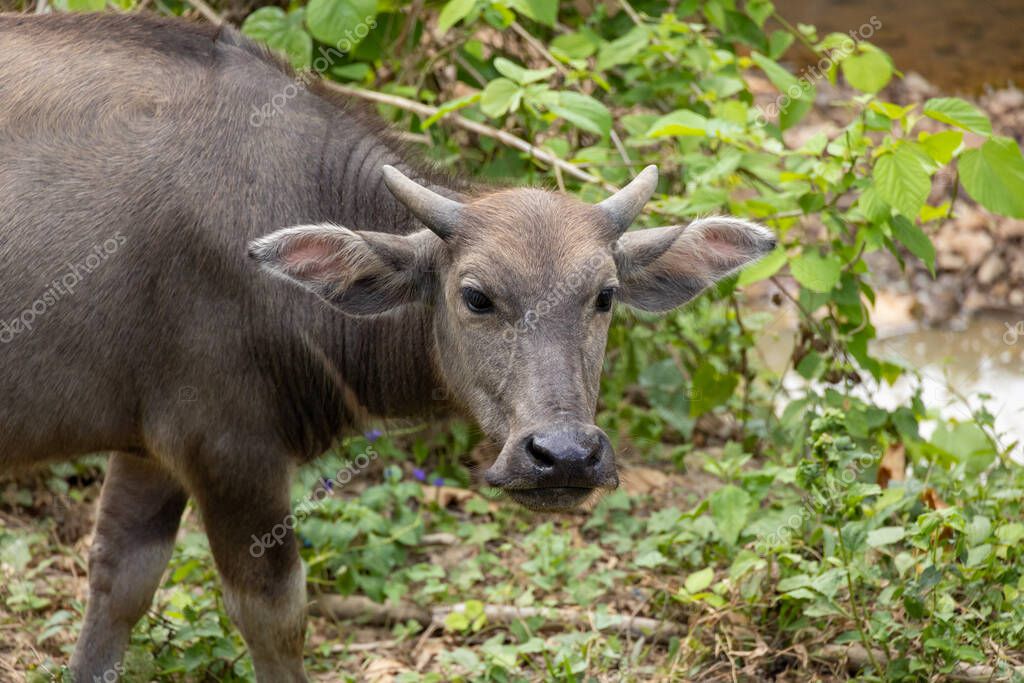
959, 45
987, 357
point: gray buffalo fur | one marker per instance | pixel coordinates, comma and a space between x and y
176, 289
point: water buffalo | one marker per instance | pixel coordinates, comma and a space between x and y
176, 289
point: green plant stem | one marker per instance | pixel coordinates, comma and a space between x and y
796, 33
956, 192
855, 606
744, 366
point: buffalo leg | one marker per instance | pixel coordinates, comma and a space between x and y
139, 513
248, 522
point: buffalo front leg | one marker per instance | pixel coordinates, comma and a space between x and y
248, 521
139, 513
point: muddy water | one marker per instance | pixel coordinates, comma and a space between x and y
959, 45
985, 358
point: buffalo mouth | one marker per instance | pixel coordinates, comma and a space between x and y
551, 499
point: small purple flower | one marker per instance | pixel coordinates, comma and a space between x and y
419, 474
373, 435
438, 481
328, 484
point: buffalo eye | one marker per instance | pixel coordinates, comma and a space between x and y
476, 301
604, 300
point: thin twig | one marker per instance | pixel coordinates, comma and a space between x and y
550, 58
471, 70
501, 136
622, 151
427, 111
539, 47
632, 13
208, 12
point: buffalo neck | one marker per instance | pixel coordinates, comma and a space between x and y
371, 367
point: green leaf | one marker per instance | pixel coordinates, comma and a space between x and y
623, 49
763, 269
358, 71
1010, 534
796, 95
979, 530
902, 180
584, 112
450, 106
914, 239
340, 23
573, 46
522, 76
760, 10
958, 112
454, 12
682, 123
730, 508
710, 389
886, 535
778, 42
869, 71
993, 174
941, 146
699, 580
978, 555
456, 621
815, 272
872, 206
282, 32
967, 443
650, 559
80, 5
890, 110
500, 96
16, 554
544, 11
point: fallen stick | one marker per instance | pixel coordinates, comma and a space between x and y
367, 611
364, 610
856, 658
440, 538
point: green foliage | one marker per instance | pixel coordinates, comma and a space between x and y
994, 175
282, 32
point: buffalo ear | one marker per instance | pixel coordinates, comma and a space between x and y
360, 273
662, 268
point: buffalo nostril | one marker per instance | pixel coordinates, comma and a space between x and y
540, 455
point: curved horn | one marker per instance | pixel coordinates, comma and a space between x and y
438, 213
625, 205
